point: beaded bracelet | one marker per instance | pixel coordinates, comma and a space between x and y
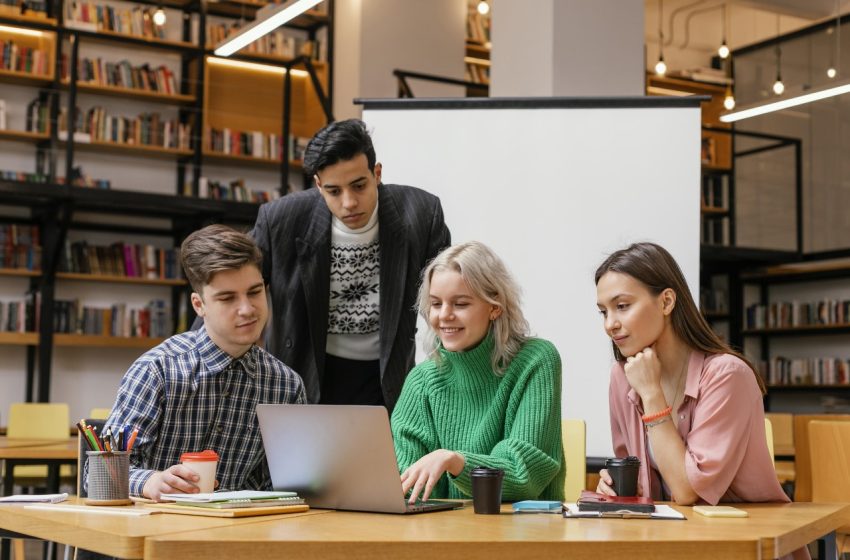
650, 417
654, 423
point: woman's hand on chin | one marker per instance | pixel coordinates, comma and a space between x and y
643, 372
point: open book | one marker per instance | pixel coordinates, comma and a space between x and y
238, 499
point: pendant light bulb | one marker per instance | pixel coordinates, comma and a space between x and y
159, 17
483, 7
660, 66
778, 86
723, 51
831, 72
729, 102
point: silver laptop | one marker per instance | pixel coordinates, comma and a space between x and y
336, 457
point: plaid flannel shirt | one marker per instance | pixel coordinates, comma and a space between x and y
189, 395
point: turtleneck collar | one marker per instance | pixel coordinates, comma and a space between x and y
476, 358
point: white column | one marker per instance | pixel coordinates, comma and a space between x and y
375, 37
567, 48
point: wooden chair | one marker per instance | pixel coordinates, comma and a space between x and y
48, 421
783, 444
573, 434
829, 446
802, 452
768, 432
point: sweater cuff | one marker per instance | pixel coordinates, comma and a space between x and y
463, 481
138, 479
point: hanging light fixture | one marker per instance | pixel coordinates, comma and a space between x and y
660, 66
268, 19
832, 71
159, 17
778, 86
483, 7
729, 100
723, 50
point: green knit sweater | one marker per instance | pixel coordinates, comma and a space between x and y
512, 422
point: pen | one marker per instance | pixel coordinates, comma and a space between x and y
132, 439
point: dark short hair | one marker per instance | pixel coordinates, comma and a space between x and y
214, 249
338, 141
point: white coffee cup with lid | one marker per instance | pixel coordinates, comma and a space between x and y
204, 463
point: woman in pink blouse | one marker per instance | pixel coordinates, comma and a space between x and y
683, 402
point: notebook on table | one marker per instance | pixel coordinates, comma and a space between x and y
336, 457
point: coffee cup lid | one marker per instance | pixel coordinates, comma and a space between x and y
205, 455
631, 460
487, 471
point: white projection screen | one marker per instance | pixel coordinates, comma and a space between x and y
554, 185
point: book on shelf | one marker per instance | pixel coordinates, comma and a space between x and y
19, 58
806, 371
20, 315
121, 259
19, 246
88, 16
2, 114
254, 143
23, 177
715, 190
147, 129
122, 74
36, 9
283, 43
235, 190
119, 320
38, 114
792, 314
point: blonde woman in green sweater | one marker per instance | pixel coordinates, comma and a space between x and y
489, 395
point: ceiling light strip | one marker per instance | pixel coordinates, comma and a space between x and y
265, 23
769, 107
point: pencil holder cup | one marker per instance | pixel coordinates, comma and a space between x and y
108, 478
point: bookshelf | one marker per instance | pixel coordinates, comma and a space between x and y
477, 53
96, 97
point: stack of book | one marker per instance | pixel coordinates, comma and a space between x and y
243, 503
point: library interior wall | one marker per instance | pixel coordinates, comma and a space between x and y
553, 199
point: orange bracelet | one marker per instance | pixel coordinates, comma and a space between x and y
650, 417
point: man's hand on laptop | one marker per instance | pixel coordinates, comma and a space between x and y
173, 480
423, 475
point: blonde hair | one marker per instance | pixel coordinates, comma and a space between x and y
489, 279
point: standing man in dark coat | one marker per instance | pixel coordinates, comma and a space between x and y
343, 262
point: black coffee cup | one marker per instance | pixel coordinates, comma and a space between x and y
624, 473
487, 489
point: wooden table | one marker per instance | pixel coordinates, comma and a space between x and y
24, 451
771, 530
113, 535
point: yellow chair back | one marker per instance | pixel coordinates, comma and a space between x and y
768, 432
100, 413
574, 434
39, 421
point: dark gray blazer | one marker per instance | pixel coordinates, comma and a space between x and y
294, 233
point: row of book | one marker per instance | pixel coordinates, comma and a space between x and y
713, 300
147, 129
789, 314
715, 230
252, 143
19, 58
19, 315
123, 74
23, 177
19, 246
715, 190
806, 371
38, 115
280, 43
235, 190
152, 320
121, 259
36, 8
99, 17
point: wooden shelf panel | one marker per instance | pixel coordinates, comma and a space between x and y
110, 36
795, 331
825, 270
28, 338
108, 278
24, 78
117, 91
61, 339
23, 272
23, 135
137, 149
12, 13
808, 387
714, 211
212, 156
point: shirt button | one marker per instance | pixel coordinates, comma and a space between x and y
219, 429
288, 343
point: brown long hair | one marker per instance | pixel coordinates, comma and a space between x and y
655, 268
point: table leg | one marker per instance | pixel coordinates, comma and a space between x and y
827, 549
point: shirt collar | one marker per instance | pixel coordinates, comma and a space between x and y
216, 360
